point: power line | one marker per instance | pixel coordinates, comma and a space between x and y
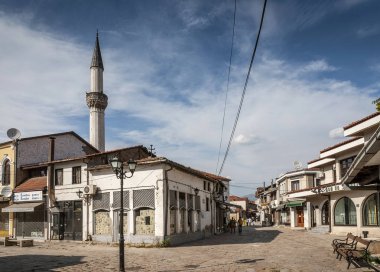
244, 90
228, 85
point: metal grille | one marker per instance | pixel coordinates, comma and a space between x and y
198, 203
101, 201
173, 199
116, 200
190, 205
31, 224
182, 201
143, 198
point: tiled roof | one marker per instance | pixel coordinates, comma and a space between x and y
340, 144
32, 184
361, 120
237, 198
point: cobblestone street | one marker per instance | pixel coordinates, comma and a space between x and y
257, 249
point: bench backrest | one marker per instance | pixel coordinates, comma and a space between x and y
350, 236
361, 243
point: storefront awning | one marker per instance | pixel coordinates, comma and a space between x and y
22, 207
295, 204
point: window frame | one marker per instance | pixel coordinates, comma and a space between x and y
345, 164
377, 215
74, 176
347, 201
6, 173
294, 182
56, 176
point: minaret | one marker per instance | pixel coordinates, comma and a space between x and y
96, 100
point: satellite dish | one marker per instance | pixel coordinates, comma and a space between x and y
6, 191
297, 165
13, 133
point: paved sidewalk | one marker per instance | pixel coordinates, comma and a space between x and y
268, 249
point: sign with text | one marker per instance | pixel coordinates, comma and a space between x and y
28, 196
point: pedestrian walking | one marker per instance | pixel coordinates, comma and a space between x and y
233, 225
240, 227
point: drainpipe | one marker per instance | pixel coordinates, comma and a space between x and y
166, 200
87, 199
329, 200
51, 196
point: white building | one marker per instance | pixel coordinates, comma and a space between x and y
163, 201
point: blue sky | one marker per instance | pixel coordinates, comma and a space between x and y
317, 69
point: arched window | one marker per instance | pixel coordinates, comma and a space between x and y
6, 178
326, 213
371, 210
345, 212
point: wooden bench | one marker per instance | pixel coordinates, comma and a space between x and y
358, 253
349, 242
18, 242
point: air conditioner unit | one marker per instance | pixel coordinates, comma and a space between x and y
321, 175
89, 189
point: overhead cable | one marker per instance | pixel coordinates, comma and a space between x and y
228, 85
244, 89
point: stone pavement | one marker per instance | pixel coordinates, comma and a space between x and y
268, 249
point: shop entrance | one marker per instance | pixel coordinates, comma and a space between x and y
67, 223
300, 217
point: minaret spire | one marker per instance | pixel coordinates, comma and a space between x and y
96, 100
97, 55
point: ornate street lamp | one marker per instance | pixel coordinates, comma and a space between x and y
118, 167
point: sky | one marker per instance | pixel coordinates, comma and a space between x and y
317, 68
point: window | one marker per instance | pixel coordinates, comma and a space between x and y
345, 164
345, 212
102, 222
6, 172
317, 182
295, 185
204, 185
173, 221
77, 175
209, 186
326, 213
58, 176
371, 211
207, 204
144, 221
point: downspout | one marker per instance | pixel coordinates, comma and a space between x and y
88, 236
329, 200
166, 200
51, 195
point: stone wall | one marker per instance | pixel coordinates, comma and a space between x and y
145, 222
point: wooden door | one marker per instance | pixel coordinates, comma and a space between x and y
300, 219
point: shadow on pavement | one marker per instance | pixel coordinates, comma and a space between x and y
249, 235
37, 262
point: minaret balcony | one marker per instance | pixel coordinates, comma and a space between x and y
96, 100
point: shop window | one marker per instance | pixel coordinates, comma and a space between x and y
58, 176
102, 222
295, 185
144, 221
6, 177
345, 212
345, 164
76, 175
326, 213
371, 210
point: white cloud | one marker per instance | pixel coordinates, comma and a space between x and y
245, 139
368, 31
318, 66
336, 133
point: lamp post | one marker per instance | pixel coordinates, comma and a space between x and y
118, 168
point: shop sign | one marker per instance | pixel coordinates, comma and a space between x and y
28, 196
